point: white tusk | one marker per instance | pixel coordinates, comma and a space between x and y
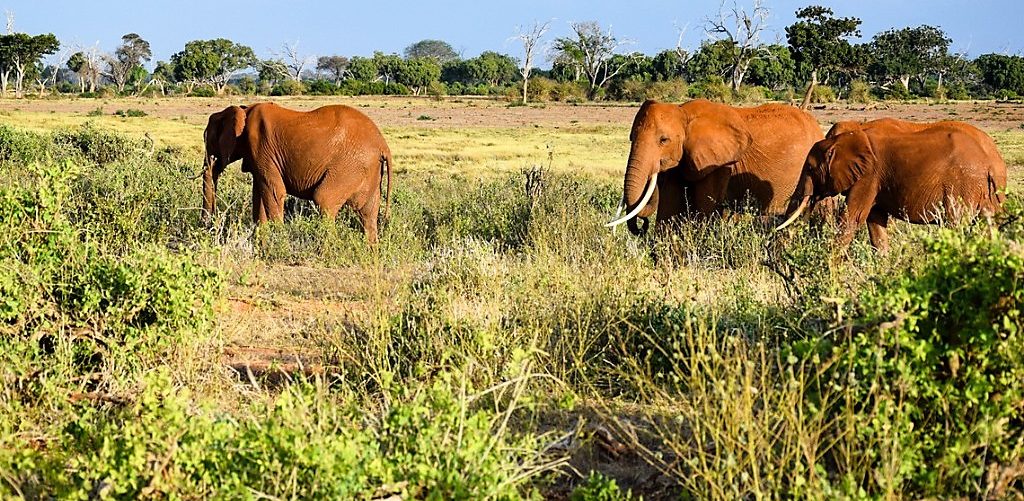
651, 185
796, 214
618, 212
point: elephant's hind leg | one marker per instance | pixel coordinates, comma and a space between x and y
368, 217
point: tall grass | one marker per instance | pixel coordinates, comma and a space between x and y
453, 357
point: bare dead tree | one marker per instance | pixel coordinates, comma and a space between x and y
743, 29
593, 48
295, 61
49, 76
531, 40
10, 21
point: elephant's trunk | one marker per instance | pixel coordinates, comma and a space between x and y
210, 176
804, 192
638, 188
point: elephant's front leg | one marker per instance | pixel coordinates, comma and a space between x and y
860, 199
259, 214
878, 221
271, 193
710, 192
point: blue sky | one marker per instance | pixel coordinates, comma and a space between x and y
359, 28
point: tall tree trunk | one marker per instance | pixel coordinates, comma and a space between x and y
526, 82
810, 89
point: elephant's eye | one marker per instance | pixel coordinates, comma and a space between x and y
663, 140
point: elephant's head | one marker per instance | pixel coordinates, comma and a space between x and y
832, 167
697, 137
224, 144
843, 127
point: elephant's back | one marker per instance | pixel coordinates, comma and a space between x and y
782, 135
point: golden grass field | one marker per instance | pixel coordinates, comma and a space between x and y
473, 136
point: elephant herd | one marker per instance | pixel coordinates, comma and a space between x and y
686, 161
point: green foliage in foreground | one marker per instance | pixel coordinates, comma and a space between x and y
746, 363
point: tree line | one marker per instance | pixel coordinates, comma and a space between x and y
819, 60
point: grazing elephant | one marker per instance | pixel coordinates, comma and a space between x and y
922, 176
333, 155
694, 157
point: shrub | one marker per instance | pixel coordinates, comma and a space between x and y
288, 87
96, 145
321, 87
752, 94
130, 113
67, 303
713, 89
429, 444
860, 92
942, 380
203, 91
896, 91
540, 89
568, 92
823, 94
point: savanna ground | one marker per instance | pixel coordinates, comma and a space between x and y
499, 342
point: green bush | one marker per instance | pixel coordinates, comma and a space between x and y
598, 487
568, 92
288, 87
136, 305
896, 91
860, 92
752, 94
131, 113
540, 89
938, 375
203, 91
93, 144
823, 94
712, 89
427, 445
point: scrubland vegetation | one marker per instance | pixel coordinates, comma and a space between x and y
498, 343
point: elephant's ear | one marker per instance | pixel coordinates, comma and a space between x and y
849, 158
231, 130
715, 139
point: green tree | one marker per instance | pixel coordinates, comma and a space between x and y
333, 65
418, 73
712, 59
162, 76
819, 42
19, 53
272, 72
438, 50
77, 63
908, 52
1001, 72
775, 68
127, 59
211, 61
668, 64
489, 68
362, 69
388, 66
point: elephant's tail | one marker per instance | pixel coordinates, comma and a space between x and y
385, 160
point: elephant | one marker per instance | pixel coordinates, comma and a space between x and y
333, 155
690, 159
922, 176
